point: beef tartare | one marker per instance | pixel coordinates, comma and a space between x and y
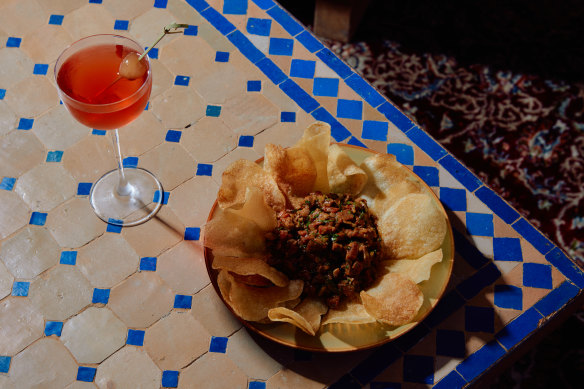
330, 242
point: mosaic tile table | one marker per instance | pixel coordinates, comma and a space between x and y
85, 304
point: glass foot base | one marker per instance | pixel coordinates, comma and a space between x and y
143, 201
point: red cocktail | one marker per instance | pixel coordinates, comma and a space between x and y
91, 87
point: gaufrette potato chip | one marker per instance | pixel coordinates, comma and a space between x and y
293, 170
253, 303
306, 316
349, 312
412, 227
250, 266
316, 140
419, 269
255, 208
388, 181
394, 300
241, 174
344, 175
233, 235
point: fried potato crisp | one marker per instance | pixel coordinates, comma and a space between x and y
241, 174
349, 312
412, 227
250, 266
417, 269
293, 170
306, 316
388, 181
315, 141
232, 235
252, 303
344, 176
394, 300
255, 208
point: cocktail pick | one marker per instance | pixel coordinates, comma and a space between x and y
132, 66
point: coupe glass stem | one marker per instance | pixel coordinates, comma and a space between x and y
124, 187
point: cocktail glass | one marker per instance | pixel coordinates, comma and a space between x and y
97, 96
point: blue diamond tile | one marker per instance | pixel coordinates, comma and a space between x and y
327, 87
419, 368
281, 46
508, 296
245, 141
121, 25
222, 56
218, 344
349, 109
486, 276
537, 275
56, 19
288, 117
302, 68
376, 362
192, 233
135, 337
130, 162
54, 156
429, 174
86, 374
84, 188
213, 110
20, 288
191, 31
100, 296
68, 258
7, 183
173, 136
479, 224
182, 80
204, 169
53, 328
4, 363
453, 199
256, 26
170, 378
2, 93
153, 53
160, 3
148, 264
13, 41
375, 130
403, 153
156, 198
114, 225
256, 385
234, 7
40, 69
479, 319
25, 124
98, 132
507, 249
38, 218
450, 343
254, 86
183, 301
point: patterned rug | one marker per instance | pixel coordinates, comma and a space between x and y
523, 135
